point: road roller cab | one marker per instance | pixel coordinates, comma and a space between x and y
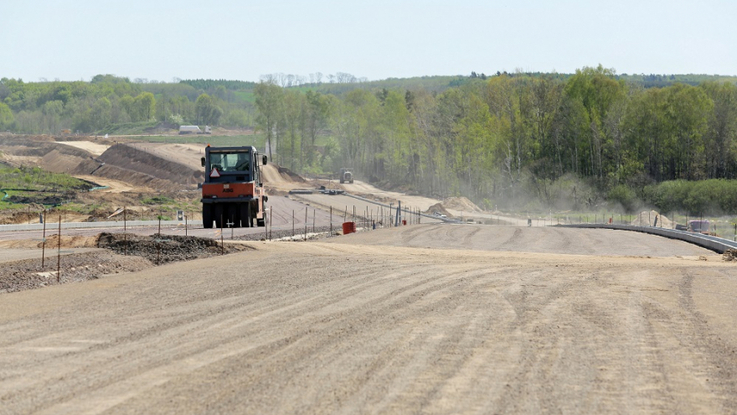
233, 192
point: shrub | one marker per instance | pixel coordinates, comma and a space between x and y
709, 197
624, 196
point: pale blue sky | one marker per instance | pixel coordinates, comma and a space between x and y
77, 39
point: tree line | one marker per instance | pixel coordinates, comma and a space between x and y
527, 141
506, 139
108, 101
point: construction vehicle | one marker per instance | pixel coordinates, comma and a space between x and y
699, 226
233, 194
189, 129
346, 175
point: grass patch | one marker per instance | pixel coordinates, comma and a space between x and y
78, 207
25, 185
129, 128
36, 179
158, 200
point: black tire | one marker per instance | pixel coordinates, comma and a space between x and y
230, 215
244, 215
262, 222
207, 216
219, 216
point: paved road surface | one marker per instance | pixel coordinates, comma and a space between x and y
282, 207
363, 324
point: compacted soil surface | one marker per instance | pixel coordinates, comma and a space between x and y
419, 319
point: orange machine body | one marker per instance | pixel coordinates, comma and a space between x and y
233, 194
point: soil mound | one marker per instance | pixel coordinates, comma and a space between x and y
730, 255
461, 203
160, 249
124, 162
93, 148
290, 175
27, 146
65, 159
276, 175
120, 162
22, 216
652, 218
438, 209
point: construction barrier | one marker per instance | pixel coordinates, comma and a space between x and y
349, 227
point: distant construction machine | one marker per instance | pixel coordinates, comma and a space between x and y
346, 175
233, 193
194, 129
698, 226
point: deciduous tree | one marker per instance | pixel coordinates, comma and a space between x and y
6, 117
206, 112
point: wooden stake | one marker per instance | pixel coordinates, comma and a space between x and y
43, 243
58, 255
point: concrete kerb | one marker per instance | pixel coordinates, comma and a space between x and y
716, 244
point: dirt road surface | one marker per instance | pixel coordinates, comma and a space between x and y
536, 239
364, 325
343, 206
359, 187
424, 203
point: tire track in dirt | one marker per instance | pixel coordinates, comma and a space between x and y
345, 330
410, 234
511, 242
719, 363
535, 360
468, 239
187, 324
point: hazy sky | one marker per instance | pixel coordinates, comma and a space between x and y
161, 40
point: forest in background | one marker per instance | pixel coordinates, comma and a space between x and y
509, 140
